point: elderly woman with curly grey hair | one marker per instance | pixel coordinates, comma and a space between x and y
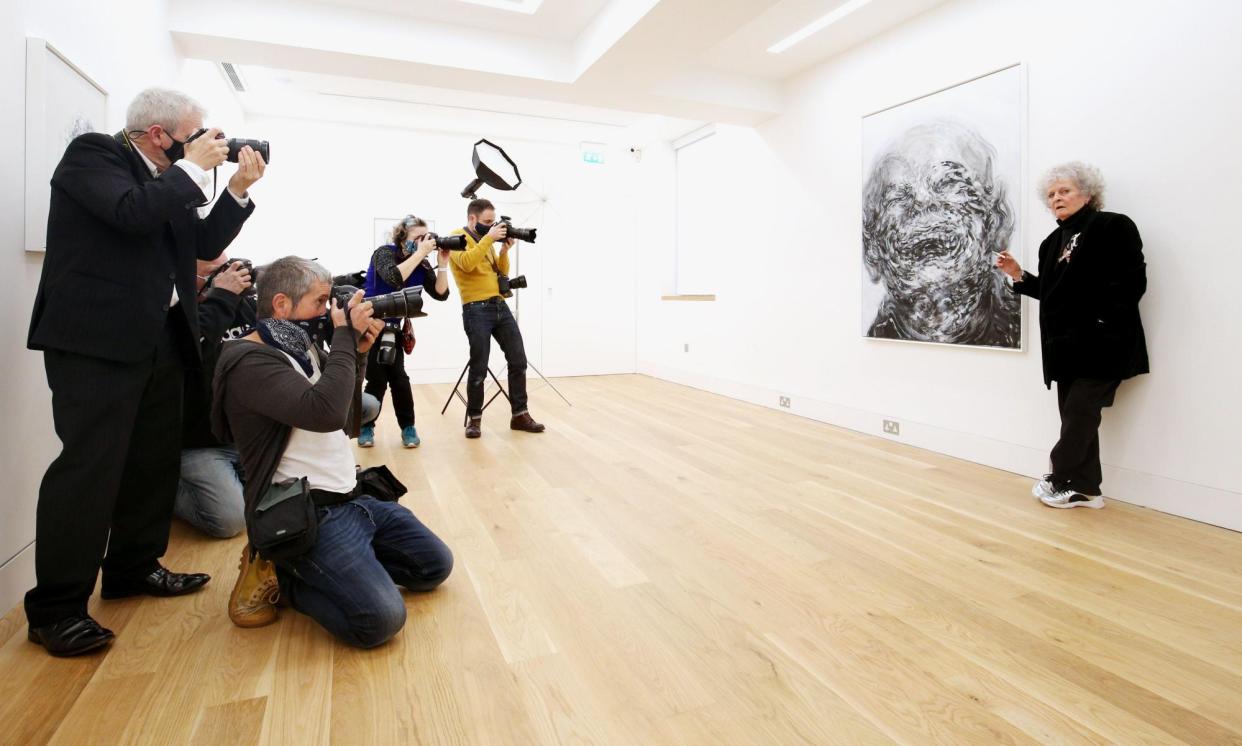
1091, 277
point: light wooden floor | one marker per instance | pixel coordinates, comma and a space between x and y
665, 566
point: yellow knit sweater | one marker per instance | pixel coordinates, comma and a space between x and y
472, 268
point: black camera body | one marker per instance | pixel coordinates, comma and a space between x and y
509, 284
247, 264
519, 234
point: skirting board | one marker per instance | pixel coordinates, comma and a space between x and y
16, 577
1194, 501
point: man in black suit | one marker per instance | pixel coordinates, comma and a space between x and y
115, 316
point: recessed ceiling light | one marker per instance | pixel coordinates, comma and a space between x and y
816, 26
518, 6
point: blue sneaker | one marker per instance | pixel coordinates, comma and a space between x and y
366, 438
409, 437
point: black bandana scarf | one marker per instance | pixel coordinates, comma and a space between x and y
289, 338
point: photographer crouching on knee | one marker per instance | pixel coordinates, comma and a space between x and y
338, 555
116, 319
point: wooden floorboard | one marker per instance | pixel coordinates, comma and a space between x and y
667, 566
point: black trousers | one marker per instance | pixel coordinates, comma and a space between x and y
113, 485
1076, 456
484, 321
383, 377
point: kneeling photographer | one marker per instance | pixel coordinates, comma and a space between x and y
400, 264
482, 277
339, 552
209, 491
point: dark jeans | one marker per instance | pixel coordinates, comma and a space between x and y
484, 321
115, 480
1076, 456
348, 582
382, 377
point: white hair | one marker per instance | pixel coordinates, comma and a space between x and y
162, 106
1088, 178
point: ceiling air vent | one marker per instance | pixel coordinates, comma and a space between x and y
234, 75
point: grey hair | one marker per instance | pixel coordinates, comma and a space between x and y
291, 275
1088, 178
162, 106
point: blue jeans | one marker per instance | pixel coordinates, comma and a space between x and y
209, 493
485, 320
348, 581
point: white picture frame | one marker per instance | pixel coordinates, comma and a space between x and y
62, 102
999, 111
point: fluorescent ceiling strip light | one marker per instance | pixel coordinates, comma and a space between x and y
518, 6
814, 27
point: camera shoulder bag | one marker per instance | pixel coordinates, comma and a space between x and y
284, 524
379, 482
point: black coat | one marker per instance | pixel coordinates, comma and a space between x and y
117, 240
1089, 320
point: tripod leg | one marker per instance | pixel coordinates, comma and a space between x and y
455, 387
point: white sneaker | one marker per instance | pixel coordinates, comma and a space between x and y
1072, 499
1043, 488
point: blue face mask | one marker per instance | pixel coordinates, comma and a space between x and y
408, 246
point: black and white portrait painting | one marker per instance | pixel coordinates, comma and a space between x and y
941, 179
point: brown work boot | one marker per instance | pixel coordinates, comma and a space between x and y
474, 427
525, 423
253, 601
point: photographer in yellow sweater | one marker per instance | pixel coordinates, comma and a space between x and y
480, 272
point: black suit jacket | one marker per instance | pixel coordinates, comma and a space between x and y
1089, 319
117, 241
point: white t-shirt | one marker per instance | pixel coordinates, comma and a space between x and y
325, 459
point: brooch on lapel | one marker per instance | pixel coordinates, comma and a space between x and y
1068, 252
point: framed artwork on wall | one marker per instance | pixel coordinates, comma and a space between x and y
62, 102
941, 197
382, 230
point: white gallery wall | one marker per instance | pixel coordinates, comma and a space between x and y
1145, 90
330, 181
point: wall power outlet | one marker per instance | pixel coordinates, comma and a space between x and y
892, 427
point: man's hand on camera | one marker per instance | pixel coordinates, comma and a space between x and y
499, 232
250, 168
509, 243
368, 337
206, 151
235, 279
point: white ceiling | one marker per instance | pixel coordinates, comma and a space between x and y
555, 19
600, 62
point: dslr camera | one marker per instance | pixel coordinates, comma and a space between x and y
236, 144
405, 304
520, 234
448, 243
509, 284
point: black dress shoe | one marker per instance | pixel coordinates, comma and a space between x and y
159, 583
74, 635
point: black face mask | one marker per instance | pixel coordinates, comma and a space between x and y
481, 229
177, 151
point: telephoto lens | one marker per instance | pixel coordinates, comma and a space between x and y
449, 243
259, 146
518, 283
403, 304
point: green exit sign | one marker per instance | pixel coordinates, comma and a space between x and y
592, 156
